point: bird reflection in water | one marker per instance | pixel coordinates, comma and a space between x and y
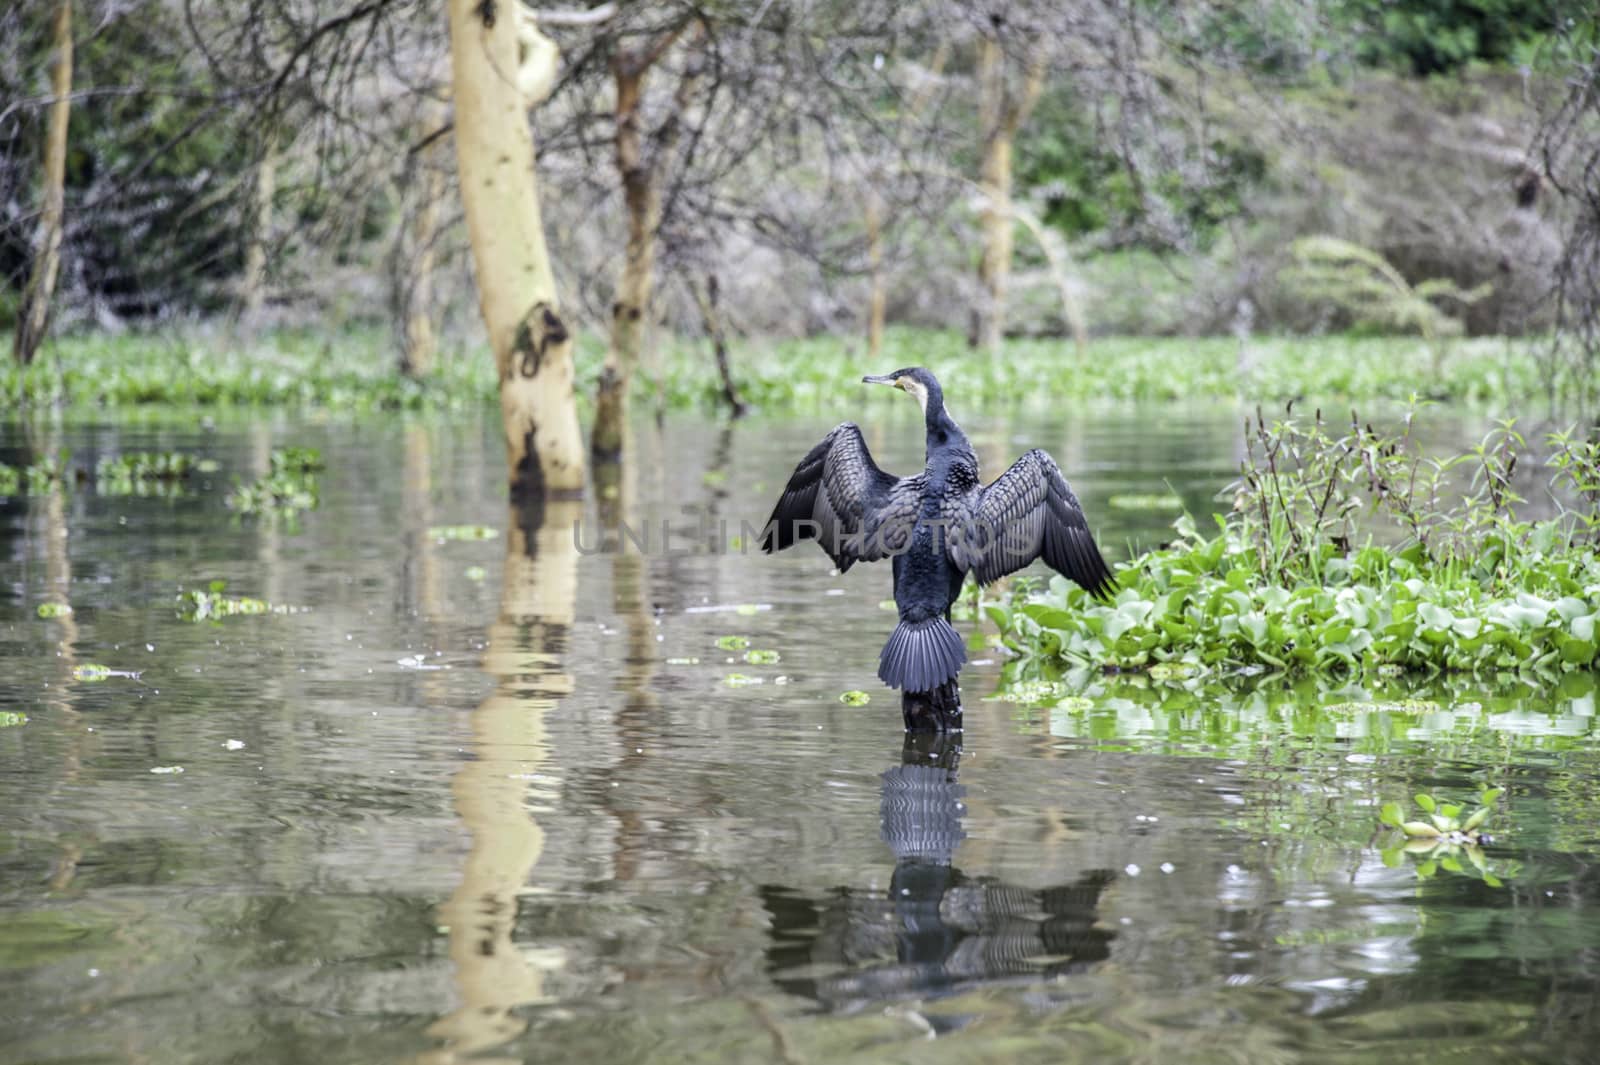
936, 932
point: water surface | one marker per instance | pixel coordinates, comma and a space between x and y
472, 800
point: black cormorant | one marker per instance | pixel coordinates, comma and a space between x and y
937, 526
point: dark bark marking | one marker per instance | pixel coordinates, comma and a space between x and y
527, 351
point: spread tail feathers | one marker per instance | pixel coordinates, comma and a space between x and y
921, 655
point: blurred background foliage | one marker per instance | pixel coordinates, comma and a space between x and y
1175, 154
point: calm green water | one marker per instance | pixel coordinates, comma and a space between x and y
440, 814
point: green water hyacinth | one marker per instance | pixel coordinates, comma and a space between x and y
210, 604
1444, 839
350, 369
1202, 602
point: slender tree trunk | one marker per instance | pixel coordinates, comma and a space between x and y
516, 288
711, 318
418, 344
994, 180
642, 204
878, 298
641, 200
255, 256
1001, 114
34, 315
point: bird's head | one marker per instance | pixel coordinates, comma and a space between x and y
913, 379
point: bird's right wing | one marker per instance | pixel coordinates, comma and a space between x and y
837, 495
1029, 512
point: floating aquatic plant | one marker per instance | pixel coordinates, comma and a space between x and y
210, 604
444, 533
296, 460
92, 672
53, 610
740, 680
733, 643
12, 718
281, 493
143, 472
1135, 501
38, 477
1444, 839
855, 698
796, 375
1283, 586
762, 658
1204, 604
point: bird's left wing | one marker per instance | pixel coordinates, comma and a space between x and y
838, 495
1029, 512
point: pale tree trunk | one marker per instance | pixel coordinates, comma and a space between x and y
641, 200
418, 344
495, 975
255, 256
878, 299
1001, 114
34, 315
516, 288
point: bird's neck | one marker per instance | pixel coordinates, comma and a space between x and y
943, 431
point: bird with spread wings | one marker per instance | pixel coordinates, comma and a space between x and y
937, 526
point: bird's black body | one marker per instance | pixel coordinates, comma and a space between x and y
937, 526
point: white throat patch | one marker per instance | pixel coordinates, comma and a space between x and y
916, 388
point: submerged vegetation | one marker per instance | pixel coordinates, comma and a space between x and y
299, 370
1448, 577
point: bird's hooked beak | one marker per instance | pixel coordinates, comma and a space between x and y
881, 379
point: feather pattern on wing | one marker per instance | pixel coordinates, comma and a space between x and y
1029, 512
839, 496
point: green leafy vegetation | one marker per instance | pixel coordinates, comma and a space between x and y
1133, 501
144, 473
94, 672
1374, 292
36, 478
133, 473
291, 368
1204, 603
855, 697
211, 604
1210, 714
288, 487
447, 533
1462, 585
296, 460
1444, 839
353, 372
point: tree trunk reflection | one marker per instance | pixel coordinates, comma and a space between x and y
527, 642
